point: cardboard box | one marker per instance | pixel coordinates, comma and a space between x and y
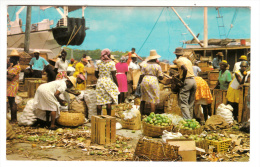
187, 148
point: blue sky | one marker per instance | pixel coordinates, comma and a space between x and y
121, 28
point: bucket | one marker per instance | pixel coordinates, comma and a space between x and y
243, 42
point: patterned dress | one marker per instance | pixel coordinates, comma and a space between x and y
150, 87
203, 93
106, 89
12, 86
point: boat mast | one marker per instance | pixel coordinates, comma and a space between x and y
205, 41
27, 30
188, 28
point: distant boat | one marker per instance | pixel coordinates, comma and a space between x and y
44, 37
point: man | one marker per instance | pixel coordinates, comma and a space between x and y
217, 60
130, 56
37, 64
187, 92
237, 64
196, 68
133, 64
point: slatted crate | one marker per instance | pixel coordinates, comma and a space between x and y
103, 129
32, 87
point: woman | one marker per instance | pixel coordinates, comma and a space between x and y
107, 86
241, 76
224, 77
13, 72
203, 97
148, 81
51, 75
61, 66
47, 99
122, 69
79, 69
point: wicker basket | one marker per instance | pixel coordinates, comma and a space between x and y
71, 119
189, 132
147, 149
154, 131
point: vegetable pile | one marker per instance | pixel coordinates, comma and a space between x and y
158, 120
189, 124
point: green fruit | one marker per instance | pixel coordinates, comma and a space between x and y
149, 119
117, 142
31, 138
91, 152
133, 131
193, 120
19, 136
145, 119
117, 146
124, 143
99, 153
186, 125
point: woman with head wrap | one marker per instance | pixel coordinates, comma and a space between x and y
79, 69
150, 73
13, 72
241, 76
122, 69
107, 86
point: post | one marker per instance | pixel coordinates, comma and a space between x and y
28, 29
205, 41
188, 28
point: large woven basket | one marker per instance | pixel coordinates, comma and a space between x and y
154, 131
71, 119
147, 149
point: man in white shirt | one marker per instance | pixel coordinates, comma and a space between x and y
133, 64
237, 64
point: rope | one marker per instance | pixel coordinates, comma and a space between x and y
150, 31
233, 20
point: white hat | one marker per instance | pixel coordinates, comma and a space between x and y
36, 51
73, 80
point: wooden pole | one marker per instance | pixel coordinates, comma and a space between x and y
188, 28
28, 29
205, 41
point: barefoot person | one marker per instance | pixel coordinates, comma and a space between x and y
47, 99
13, 72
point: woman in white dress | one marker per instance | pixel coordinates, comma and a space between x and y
61, 66
47, 98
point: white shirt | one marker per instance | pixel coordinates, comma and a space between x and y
237, 66
134, 66
61, 65
235, 84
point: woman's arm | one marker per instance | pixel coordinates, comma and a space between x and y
57, 95
96, 74
113, 73
140, 79
239, 79
71, 92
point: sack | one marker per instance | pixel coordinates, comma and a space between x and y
138, 91
28, 117
78, 106
131, 119
91, 102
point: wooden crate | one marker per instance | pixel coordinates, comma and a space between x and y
165, 66
213, 75
32, 87
205, 69
26, 82
165, 81
103, 129
203, 64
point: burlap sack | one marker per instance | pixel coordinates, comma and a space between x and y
78, 106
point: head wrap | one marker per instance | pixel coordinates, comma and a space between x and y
123, 59
104, 55
72, 60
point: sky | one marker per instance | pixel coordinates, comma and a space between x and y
147, 28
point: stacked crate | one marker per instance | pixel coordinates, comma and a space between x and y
213, 78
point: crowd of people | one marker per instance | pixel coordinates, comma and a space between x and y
114, 81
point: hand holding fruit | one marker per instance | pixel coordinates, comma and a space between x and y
63, 103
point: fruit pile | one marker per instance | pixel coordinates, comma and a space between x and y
189, 124
216, 137
38, 81
158, 119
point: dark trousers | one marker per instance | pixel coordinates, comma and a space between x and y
235, 109
37, 74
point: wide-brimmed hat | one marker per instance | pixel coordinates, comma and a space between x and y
36, 51
243, 57
223, 62
153, 55
73, 80
88, 58
220, 54
133, 55
178, 51
14, 53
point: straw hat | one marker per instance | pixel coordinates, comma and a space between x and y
220, 54
88, 58
243, 57
133, 55
73, 80
178, 51
14, 53
153, 55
